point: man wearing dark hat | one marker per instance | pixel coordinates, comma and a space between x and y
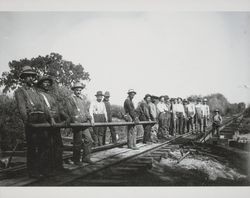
185, 119
81, 137
51, 140
131, 115
217, 121
98, 113
172, 119
180, 115
109, 114
145, 115
199, 114
190, 115
32, 110
163, 131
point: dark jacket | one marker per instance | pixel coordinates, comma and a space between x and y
29, 101
108, 109
130, 109
144, 112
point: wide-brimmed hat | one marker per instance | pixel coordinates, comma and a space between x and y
27, 70
166, 97
106, 94
160, 97
99, 93
204, 100
199, 99
216, 110
154, 97
185, 100
179, 98
43, 78
131, 91
147, 95
78, 85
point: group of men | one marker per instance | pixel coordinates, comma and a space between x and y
174, 116
38, 103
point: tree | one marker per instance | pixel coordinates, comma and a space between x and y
64, 72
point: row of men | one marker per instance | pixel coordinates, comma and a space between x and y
173, 116
176, 115
37, 103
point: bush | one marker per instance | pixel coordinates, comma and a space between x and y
117, 111
11, 126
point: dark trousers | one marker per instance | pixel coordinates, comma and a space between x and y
164, 124
44, 150
198, 123
179, 122
32, 154
131, 136
112, 134
99, 132
190, 124
184, 126
216, 130
172, 124
81, 140
147, 133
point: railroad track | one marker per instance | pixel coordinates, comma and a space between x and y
109, 158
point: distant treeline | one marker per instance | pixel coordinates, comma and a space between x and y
11, 126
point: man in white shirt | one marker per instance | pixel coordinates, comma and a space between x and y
180, 115
190, 115
98, 113
199, 114
206, 111
163, 131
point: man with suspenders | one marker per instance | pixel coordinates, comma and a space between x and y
80, 114
32, 110
51, 140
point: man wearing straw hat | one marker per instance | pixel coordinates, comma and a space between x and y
98, 113
131, 116
32, 110
80, 114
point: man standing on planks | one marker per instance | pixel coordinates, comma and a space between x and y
81, 137
145, 115
130, 115
32, 110
109, 114
163, 131
50, 139
98, 113
199, 115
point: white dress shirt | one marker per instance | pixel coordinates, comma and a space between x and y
206, 110
179, 108
97, 108
162, 107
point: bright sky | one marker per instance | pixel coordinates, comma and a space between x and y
173, 53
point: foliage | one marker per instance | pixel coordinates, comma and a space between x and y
11, 127
117, 111
219, 101
64, 72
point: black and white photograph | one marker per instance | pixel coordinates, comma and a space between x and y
124, 98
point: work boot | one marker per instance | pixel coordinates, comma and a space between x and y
135, 148
87, 160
